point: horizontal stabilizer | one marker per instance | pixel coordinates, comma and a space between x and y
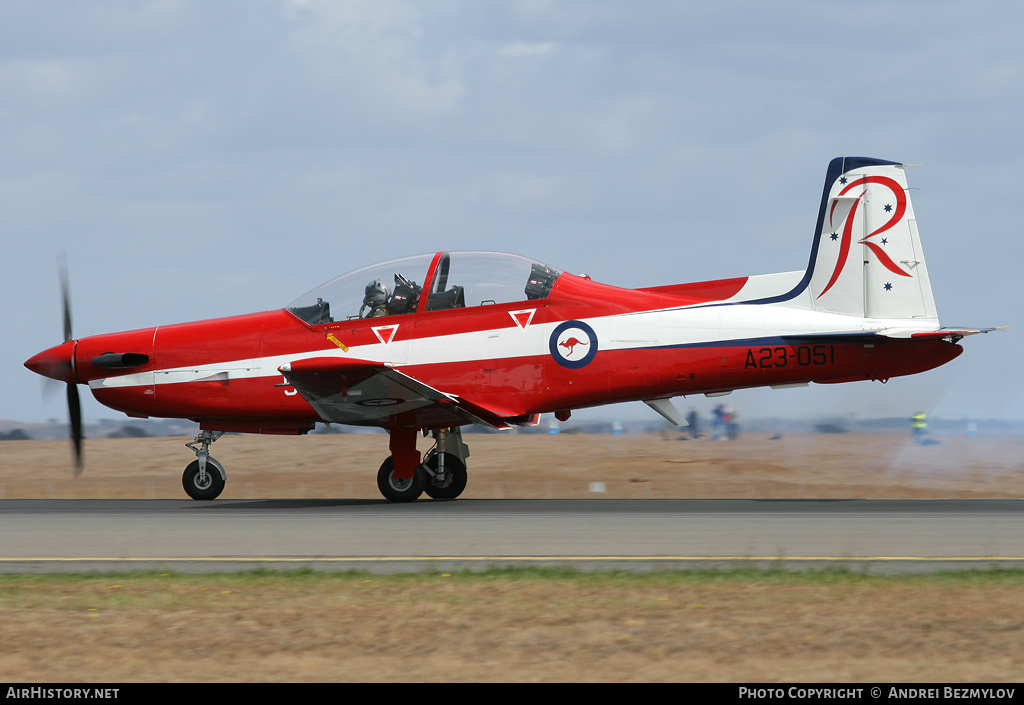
952, 333
948, 332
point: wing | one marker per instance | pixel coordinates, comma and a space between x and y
366, 393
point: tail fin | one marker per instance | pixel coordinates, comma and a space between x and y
867, 258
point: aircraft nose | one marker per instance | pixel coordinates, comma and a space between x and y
55, 363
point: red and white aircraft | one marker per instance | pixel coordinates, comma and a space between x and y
435, 342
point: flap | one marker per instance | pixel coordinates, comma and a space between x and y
363, 392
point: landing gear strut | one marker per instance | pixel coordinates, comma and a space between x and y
445, 464
204, 477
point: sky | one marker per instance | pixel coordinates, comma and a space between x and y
196, 159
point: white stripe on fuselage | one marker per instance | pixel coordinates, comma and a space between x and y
659, 328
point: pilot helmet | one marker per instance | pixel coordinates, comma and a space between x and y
377, 294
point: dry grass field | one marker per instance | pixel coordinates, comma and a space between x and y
526, 626
537, 465
511, 627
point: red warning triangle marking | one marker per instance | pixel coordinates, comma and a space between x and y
385, 334
523, 318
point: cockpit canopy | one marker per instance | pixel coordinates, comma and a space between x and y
427, 283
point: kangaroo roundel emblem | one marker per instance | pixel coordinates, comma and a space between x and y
573, 344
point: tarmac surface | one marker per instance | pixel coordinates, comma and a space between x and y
640, 502
871, 535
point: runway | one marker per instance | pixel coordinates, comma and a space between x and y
232, 535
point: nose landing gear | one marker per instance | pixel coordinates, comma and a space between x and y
204, 478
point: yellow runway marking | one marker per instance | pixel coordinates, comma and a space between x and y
521, 559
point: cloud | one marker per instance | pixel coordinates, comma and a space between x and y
526, 49
374, 54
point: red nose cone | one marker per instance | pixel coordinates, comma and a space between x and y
55, 363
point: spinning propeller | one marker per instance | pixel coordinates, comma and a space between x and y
59, 363
74, 403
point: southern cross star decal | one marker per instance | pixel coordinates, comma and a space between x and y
888, 286
834, 236
888, 208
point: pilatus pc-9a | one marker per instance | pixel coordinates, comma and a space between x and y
435, 342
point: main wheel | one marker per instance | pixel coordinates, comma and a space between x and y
399, 489
455, 480
195, 489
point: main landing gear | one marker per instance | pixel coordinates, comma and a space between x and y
403, 476
441, 474
204, 477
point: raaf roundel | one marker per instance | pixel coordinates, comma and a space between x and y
435, 342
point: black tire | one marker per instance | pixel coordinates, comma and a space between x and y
190, 481
399, 489
455, 469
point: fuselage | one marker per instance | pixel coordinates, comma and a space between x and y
584, 344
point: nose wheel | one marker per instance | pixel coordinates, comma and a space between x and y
204, 477
206, 485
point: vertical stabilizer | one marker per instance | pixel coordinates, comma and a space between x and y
867, 258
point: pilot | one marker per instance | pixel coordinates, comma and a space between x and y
376, 299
